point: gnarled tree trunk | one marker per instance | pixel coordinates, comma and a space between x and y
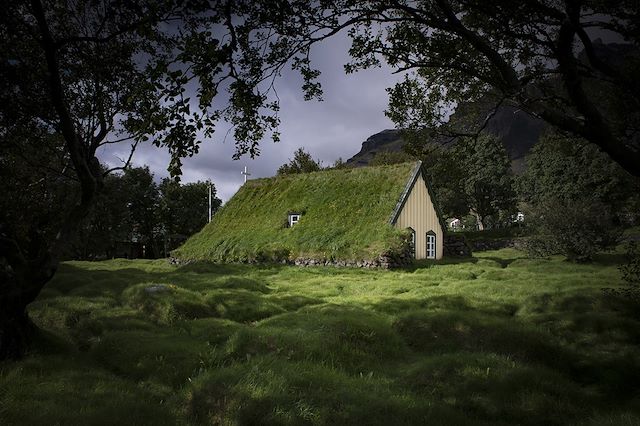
26, 266
21, 280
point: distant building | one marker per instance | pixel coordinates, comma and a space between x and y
455, 224
519, 217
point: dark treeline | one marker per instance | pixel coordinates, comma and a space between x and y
136, 217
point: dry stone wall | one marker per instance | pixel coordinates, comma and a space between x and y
456, 246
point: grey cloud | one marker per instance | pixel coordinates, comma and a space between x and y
352, 110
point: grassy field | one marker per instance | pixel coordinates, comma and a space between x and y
495, 340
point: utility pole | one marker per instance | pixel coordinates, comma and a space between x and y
245, 173
209, 201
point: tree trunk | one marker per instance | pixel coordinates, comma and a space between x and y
23, 274
26, 268
479, 220
16, 329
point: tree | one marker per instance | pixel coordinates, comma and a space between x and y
133, 208
487, 180
142, 203
77, 76
302, 163
184, 210
472, 176
570, 168
525, 54
541, 56
445, 173
576, 228
576, 197
74, 78
107, 223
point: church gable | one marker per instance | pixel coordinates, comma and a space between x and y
417, 211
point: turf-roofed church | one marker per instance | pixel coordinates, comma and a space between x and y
370, 216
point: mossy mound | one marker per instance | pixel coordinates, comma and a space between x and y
345, 216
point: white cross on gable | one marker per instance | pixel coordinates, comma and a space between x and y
245, 173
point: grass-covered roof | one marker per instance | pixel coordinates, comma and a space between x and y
345, 215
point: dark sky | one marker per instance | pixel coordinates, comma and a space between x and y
352, 110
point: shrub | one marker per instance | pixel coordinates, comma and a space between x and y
631, 270
577, 229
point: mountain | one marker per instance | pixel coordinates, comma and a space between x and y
517, 130
388, 140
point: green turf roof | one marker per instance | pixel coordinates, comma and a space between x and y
345, 215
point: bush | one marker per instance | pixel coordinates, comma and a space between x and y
577, 229
631, 270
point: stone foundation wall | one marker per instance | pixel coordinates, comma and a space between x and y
383, 262
456, 246
497, 244
386, 261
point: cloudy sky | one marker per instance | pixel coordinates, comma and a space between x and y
352, 110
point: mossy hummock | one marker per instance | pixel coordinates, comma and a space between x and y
344, 216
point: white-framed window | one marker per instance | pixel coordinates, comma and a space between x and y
431, 245
412, 242
293, 219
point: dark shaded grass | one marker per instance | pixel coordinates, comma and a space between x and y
69, 390
337, 336
167, 358
444, 332
473, 382
271, 391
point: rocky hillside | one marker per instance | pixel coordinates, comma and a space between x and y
517, 130
386, 141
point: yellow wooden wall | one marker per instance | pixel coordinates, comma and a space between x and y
419, 213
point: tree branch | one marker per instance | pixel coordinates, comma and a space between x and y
83, 166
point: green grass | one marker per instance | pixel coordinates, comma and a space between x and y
345, 216
498, 339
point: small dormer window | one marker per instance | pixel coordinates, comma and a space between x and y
293, 219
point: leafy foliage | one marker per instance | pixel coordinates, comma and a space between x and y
35, 194
390, 157
526, 55
302, 162
133, 208
577, 228
184, 209
570, 168
473, 176
487, 177
631, 270
577, 197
